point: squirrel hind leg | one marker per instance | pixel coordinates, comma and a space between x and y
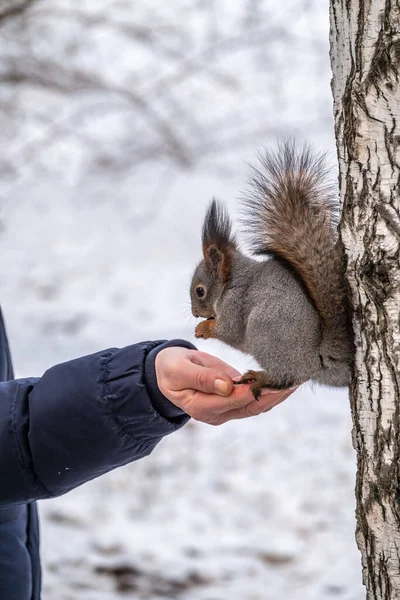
260, 380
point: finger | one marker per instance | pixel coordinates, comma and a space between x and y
208, 360
269, 400
252, 409
287, 391
203, 406
204, 379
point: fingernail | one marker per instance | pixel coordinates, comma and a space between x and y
221, 387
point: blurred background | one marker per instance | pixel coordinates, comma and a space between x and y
119, 120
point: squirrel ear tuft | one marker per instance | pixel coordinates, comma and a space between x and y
217, 228
218, 240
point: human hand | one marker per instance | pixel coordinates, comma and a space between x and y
202, 386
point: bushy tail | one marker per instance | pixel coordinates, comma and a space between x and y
291, 213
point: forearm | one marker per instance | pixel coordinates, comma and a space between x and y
80, 420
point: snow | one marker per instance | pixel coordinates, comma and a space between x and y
94, 257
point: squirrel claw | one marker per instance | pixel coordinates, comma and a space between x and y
258, 380
248, 377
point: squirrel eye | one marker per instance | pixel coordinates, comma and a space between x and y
200, 291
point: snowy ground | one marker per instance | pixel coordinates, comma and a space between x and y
261, 509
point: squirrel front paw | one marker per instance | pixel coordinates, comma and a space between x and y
206, 329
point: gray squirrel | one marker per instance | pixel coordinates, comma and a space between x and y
290, 312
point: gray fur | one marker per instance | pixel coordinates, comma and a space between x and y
264, 311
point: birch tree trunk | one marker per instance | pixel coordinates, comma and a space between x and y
365, 58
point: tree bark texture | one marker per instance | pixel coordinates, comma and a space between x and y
365, 59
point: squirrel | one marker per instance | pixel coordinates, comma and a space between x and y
289, 311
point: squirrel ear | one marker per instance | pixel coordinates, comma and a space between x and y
218, 241
220, 262
215, 258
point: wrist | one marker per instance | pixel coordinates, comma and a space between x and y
163, 405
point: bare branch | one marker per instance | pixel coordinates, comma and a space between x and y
15, 9
78, 82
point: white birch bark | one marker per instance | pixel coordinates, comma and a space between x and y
365, 58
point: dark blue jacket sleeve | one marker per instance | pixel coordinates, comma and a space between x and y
80, 420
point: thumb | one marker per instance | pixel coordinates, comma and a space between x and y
206, 379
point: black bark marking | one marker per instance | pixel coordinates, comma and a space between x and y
391, 218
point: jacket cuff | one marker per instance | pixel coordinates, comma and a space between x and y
165, 407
